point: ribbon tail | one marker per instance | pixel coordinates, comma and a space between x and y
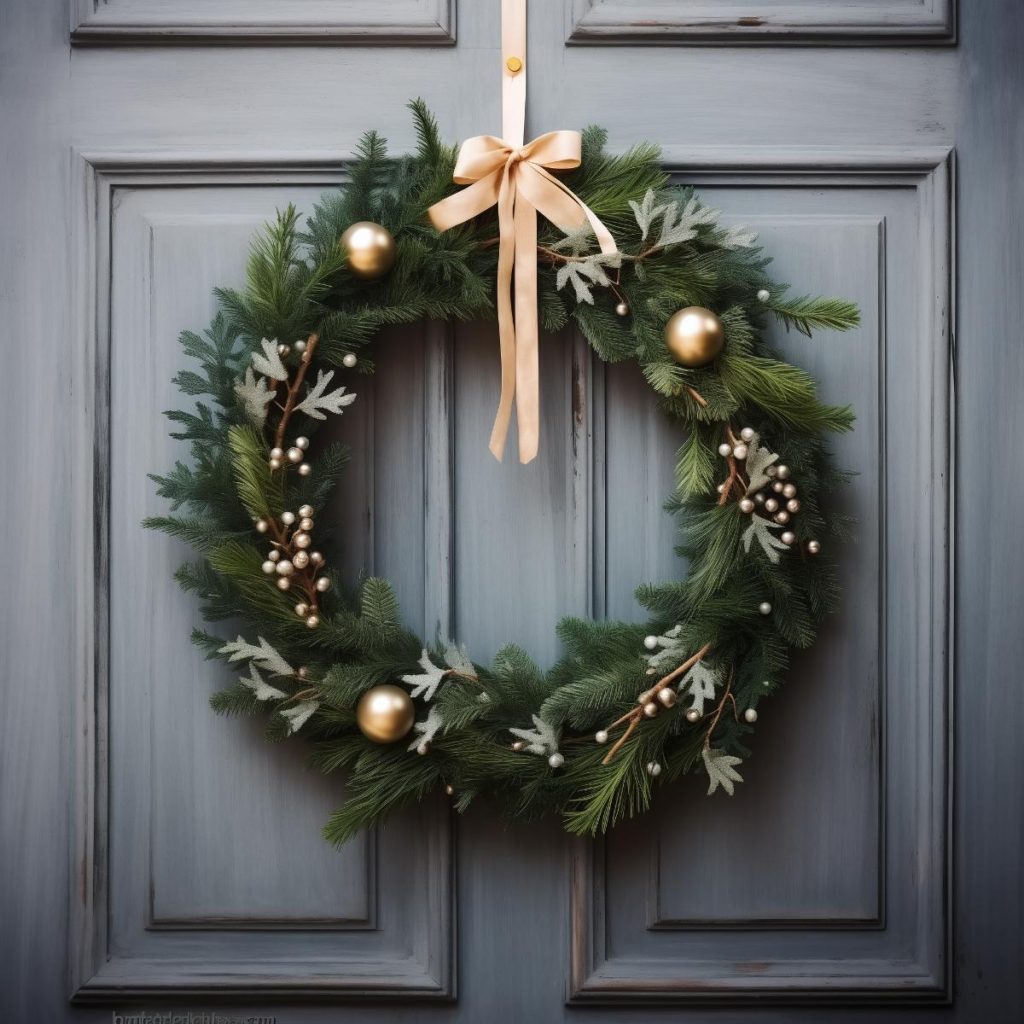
526, 328
506, 323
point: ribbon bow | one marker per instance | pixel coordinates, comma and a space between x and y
518, 181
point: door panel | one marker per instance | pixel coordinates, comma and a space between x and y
210, 843
184, 21
726, 21
827, 871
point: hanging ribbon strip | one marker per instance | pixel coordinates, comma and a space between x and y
517, 179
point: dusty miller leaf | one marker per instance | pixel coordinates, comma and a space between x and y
757, 462
262, 690
760, 529
690, 217
672, 651
586, 272
264, 655
646, 212
427, 729
424, 684
576, 243
700, 683
720, 770
542, 739
299, 715
255, 396
317, 398
737, 237
457, 658
269, 364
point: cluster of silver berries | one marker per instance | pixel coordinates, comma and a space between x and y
292, 555
781, 504
295, 455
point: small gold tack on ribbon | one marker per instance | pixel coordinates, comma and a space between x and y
514, 64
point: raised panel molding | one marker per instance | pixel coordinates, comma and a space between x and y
426, 22
761, 21
623, 949
359, 952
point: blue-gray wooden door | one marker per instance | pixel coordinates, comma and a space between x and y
156, 857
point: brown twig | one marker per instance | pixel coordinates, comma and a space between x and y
735, 480
718, 711
306, 577
620, 743
697, 397
634, 715
293, 390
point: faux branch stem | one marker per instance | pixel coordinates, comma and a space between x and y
727, 695
735, 479
293, 390
634, 715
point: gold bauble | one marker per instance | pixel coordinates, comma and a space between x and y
370, 249
694, 336
385, 713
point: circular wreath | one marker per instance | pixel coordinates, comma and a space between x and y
628, 706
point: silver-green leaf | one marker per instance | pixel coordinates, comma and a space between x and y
319, 401
721, 770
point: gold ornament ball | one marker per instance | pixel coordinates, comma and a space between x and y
385, 713
370, 249
694, 336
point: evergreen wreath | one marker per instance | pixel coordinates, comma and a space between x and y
628, 706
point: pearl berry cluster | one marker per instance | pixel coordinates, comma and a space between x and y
780, 504
294, 455
291, 561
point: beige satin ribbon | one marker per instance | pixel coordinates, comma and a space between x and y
517, 179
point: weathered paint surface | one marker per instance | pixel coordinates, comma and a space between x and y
149, 850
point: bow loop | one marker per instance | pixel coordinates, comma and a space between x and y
517, 179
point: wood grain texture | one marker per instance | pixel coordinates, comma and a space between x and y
223, 109
169, 876
724, 22
131, 22
845, 916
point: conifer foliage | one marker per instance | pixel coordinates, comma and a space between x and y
628, 707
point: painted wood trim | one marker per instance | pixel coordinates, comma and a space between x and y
660, 22
96, 975
597, 978
439, 483
312, 22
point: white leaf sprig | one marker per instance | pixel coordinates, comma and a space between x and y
760, 530
264, 655
542, 739
262, 690
678, 223
721, 770
673, 650
737, 237
427, 729
255, 396
759, 458
319, 401
424, 684
587, 272
299, 715
700, 683
269, 363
